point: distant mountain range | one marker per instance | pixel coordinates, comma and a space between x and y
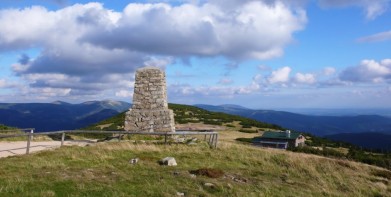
368, 140
317, 125
58, 115
339, 111
372, 131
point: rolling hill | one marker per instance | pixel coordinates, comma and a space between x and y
317, 125
369, 140
190, 114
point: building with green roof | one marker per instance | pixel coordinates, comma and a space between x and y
279, 139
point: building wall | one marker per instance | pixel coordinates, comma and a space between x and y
300, 141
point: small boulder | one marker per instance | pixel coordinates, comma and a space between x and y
240, 180
210, 185
180, 140
192, 141
168, 161
180, 194
133, 161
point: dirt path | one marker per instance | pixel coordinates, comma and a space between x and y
19, 147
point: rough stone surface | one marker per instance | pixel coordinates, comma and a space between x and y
169, 161
150, 111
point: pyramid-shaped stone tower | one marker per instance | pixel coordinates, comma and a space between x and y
150, 112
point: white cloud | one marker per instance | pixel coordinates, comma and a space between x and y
220, 91
280, 76
379, 37
7, 83
208, 29
124, 94
328, 71
48, 92
225, 81
83, 46
306, 78
368, 71
3, 83
372, 8
159, 62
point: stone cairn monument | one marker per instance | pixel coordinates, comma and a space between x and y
150, 112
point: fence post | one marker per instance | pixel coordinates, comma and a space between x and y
211, 140
32, 131
165, 138
217, 139
214, 140
62, 138
119, 136
28, 142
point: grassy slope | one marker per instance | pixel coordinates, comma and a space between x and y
189, 114
103, 170
6, 130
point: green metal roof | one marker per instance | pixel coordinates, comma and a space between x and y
279, 135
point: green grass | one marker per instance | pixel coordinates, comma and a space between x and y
103, 170
6, 130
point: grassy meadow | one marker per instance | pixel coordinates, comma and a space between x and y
104, 170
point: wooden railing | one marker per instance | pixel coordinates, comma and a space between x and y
212, 140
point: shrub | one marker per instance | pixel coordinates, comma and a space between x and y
242, 139
248, 131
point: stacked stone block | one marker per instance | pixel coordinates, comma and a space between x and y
150, 112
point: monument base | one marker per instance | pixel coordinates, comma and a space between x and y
160, 120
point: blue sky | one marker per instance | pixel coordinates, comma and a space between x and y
265, 54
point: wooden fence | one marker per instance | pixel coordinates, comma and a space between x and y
209, 136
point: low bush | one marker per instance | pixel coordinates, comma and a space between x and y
248, 131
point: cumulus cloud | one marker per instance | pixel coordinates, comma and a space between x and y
306, 78
124, 94
81, 47
372, 8
280, 75
215, 91
219, 90
5, 84
251, 29
368, 71
379, 37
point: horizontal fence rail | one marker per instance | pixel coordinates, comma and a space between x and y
212, 140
